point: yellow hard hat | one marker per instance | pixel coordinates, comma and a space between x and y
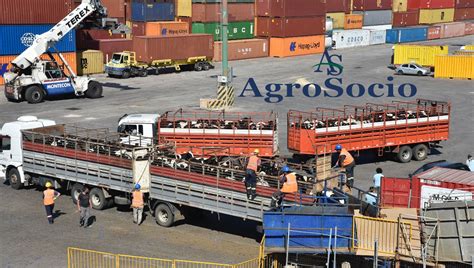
256, 151
48, 184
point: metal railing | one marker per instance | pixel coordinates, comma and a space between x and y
83, 258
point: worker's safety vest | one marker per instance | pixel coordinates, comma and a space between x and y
291, 185
137, 201
48, 197
348, 160
253, 163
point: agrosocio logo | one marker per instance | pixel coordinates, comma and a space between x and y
333, 86
27, 39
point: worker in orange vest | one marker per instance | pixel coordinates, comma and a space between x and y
49, 196
137, 204
346, 161
290, 186
251, 174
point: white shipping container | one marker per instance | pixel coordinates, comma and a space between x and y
350, 38
378, 27
377, 37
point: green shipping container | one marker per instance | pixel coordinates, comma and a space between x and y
236, 30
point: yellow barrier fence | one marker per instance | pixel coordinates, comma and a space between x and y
83, 258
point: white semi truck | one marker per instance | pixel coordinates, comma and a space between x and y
32, 78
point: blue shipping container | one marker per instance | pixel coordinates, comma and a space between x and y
14, 39
152, 11
404, 35
310, 229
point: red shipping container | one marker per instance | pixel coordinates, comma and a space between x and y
212, 12
452, 29
138, 28
404, 19
413, 4
433, 4
435, 185
180, 47
291, 8
107, 46
365, 5
434, 32
348, 4
464, 3
34, 11
115, 8
335, 6
469, 29
290, 27
464, 14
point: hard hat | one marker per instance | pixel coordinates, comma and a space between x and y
285, 169
338, 147
256, 151
48, 184
137, 186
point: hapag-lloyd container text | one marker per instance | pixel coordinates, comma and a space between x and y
295, 46
351, 38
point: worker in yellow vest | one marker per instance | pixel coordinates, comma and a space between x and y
49, 196
251, 174
290, 186
137, 204
346, 161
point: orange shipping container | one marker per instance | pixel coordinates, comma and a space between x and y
166, 28
6, 61
353, 21
294, 46
243, 49
434, 32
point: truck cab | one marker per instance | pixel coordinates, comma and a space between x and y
124, 64
11, 156
139, 129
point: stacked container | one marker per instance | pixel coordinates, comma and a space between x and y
434, 11
405, 13
374, 12
18, 30
464, 10
295, 27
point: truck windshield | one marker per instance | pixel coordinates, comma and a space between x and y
117, 58
130, 129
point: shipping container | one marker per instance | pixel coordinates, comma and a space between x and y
115, 8
378, 27
365, 5
138, 28
236, 30
334, 6
404, 19
434, 32
34, 11
404, 35
107, 46
243, 49
17, 38
165, 28
219, 1
350, 38
377, 37
5, 62
435, 4
337, 19
83, 34
90, 62
152, 11
188, 20
413, 4
180, 47
464, 14
212, 12
469, 28
290, 8
399, 6
290, 27
453, 29
375, 17
463, 3
294, 46
430, 16
422, 55
353, 21
454, 66
184, 8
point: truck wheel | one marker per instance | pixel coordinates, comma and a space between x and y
125, 74
75, 191
420, 152
164, 215
34, 94
405, 154
98, 199
143, 73
206, 66
198, 66
94, 90
14, 179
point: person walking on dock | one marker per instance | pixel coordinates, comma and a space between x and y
84, 206
251, 174
49, 196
